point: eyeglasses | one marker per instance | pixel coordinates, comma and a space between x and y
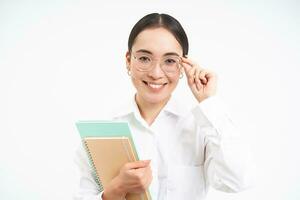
169, 64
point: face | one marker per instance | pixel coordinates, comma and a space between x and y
154, 86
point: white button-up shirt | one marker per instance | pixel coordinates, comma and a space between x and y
190, 150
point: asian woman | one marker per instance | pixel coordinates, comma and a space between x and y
183, 152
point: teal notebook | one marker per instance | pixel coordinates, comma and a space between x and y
101, 128
109, 145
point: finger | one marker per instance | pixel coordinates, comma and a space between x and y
138, 175
202, 76
191, 73
188, 61
194, 88
212, 80
148, 176
211, 75
147, 172
197, 80
191, 76
186, 67
149, 180
143, 177
138, 164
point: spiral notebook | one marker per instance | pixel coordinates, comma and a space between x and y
109, 146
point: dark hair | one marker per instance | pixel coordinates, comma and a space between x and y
156, 20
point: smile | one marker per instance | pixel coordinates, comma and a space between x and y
155, 86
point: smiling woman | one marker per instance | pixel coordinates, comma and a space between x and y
189, 150
155, 85
162, 37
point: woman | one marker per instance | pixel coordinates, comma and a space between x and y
183, 152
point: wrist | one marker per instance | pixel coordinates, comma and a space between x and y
200, 99
114, 191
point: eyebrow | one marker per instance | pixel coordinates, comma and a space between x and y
166, 54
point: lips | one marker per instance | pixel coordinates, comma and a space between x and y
155, 86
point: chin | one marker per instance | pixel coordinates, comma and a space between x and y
156, 98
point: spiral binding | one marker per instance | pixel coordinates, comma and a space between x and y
96, 175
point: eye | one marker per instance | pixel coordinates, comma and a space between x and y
170, 61
144, 59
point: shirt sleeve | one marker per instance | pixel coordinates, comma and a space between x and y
228, 164
88, 188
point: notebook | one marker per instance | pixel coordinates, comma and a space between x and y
109, 146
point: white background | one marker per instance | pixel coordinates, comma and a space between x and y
63, 61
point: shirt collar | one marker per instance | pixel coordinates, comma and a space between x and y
173, 106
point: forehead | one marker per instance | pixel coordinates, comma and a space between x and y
158, 41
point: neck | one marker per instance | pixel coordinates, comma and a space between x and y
149, 111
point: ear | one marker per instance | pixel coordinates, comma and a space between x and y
128, 60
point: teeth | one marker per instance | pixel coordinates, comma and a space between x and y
156, 86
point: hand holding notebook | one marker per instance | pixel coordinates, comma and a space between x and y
134, 177
112, 154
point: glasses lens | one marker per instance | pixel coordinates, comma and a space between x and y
170, 64
144, 61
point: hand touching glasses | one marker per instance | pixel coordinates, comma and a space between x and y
202, 82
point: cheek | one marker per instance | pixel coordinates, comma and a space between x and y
136, 79
173, 83
174, 79
135, 74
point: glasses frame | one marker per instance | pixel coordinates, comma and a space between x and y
152, 65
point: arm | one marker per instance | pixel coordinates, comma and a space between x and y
228, 165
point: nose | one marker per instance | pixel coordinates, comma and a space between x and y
156, 71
